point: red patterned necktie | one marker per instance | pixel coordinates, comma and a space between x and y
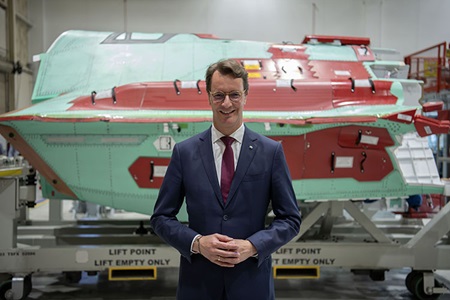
227, 167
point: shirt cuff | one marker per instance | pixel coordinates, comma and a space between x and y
192, 244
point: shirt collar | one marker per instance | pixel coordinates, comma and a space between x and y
238, 135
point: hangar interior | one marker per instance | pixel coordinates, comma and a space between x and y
351, 247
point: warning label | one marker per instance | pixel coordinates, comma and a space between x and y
117, 259
301, 256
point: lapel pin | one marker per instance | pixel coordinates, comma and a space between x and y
250, 147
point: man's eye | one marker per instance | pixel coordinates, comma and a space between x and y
235, 95
219, 96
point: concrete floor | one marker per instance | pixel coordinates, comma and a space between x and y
333, 284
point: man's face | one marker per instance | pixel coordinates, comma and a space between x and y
227, 114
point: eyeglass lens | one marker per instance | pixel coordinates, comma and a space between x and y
220, 96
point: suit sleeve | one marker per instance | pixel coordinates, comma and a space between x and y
170, 199
286, 223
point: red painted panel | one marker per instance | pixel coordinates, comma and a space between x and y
432, 106
264, 95
364, 137
443, 115
146, 171
402, 117
307, 96
294, 152
362, 95
318, 155
325, 69
428, 126
324, 156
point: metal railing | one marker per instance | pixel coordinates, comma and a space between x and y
431, 66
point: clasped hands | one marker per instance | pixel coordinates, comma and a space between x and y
225, 251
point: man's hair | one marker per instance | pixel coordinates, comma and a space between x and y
227, 67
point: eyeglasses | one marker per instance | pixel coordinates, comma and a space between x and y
234, 96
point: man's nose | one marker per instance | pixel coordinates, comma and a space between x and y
227, 101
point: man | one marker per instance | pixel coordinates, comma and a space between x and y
226, 249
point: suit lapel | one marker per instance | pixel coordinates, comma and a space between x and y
206, 151
248, 151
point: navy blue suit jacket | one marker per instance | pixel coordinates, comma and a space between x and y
261, 178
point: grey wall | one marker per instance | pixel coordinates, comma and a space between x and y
405, 25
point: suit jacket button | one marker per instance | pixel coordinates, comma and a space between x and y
225, 217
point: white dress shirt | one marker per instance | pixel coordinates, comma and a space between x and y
219, 147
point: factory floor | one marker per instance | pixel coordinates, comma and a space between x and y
334, 283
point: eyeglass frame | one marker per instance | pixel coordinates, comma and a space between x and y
241, 93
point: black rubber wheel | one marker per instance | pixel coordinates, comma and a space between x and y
6, 290
27, 286
408, 281
417, 287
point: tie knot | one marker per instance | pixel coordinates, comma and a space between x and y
227, 140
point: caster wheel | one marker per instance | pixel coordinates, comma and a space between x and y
6, 292
415, 286
408, 281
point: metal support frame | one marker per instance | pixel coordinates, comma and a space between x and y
55, 211
433, 231
9, 191
11, 17
323, 208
